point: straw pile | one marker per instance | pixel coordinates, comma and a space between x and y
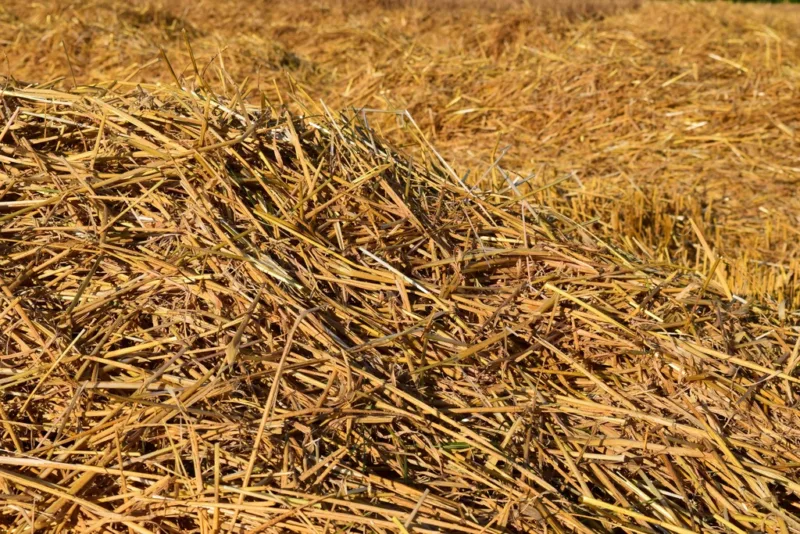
222, 318
666, 113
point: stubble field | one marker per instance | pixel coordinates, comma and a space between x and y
399, 266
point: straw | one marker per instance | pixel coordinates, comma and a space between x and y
293, 326
661, 115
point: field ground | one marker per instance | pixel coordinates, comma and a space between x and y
228, 307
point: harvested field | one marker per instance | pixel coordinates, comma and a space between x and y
229, 306
666, 114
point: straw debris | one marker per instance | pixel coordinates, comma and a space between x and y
220, 317
679, 120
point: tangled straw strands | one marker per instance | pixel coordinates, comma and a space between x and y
222, 318
666, 113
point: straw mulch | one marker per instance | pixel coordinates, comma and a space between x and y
221, 318
664, 112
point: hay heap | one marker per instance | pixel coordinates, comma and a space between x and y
219, 318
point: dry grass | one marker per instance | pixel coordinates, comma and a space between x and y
219, 318
664, 114
226, 308
570, 9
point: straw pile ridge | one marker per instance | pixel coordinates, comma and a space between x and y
219, 317
678, 121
